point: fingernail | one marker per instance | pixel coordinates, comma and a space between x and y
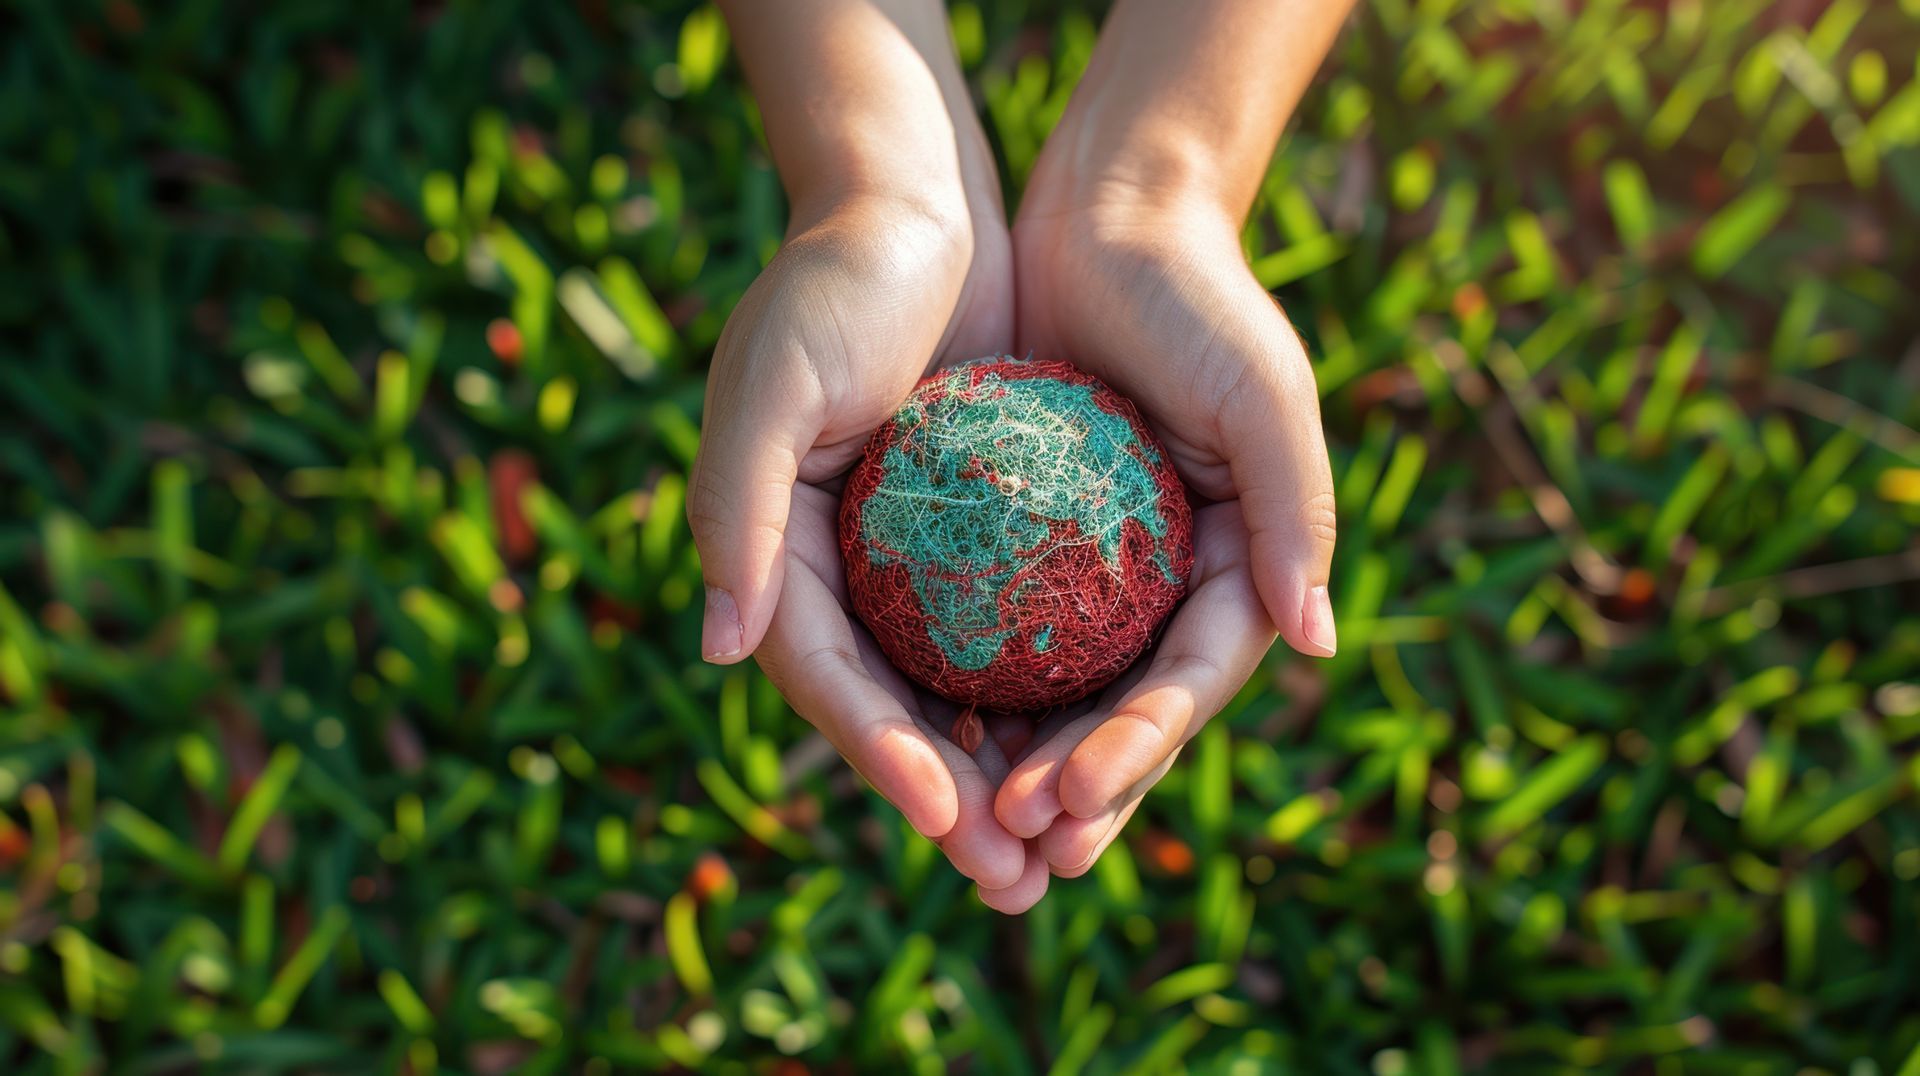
721, 636
1316, 621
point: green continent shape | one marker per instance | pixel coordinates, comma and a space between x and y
1053, 456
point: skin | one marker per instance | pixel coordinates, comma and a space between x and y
1126, 259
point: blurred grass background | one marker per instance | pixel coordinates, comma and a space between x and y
350, 366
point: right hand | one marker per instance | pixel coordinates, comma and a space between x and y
857, 306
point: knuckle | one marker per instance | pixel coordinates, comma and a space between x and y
1194, 667
706, 526
1319, 518
802, 673
1223, 384
1072, 861
835, 653
1253, 391
708, 516
725, 517
1149, 737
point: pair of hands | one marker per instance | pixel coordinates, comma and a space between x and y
1141, 286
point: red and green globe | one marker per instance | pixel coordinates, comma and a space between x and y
1015, 536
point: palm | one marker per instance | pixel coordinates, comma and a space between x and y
1144, 313
877, 334
827, 662
872, 306
1180, 326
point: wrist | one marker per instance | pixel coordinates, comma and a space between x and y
1181, 105
1141, 178
906, 218
1148, 199
852, 166
851, 107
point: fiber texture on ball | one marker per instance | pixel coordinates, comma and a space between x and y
1015, 535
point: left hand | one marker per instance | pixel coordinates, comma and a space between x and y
1156, 299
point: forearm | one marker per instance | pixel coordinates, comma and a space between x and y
862, 99
1185, 101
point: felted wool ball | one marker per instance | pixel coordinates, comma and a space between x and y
1015, 536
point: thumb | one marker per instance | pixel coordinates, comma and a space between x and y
754, 433
1278, 460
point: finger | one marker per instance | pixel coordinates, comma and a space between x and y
1213, 645
1071, 846
1277, 456
1025, 891
761, 416
1253, 386
978, 845
811, 655
1221, 631
1029, 799
840, 675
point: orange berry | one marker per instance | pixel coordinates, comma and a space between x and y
710, 876
1469, 300
503, 337
1637, 586
1167, 852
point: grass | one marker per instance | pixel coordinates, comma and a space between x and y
351, 364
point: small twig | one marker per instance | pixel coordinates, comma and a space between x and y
1901, 440
1817, 580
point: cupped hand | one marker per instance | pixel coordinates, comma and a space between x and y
854, 309
1157, 299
